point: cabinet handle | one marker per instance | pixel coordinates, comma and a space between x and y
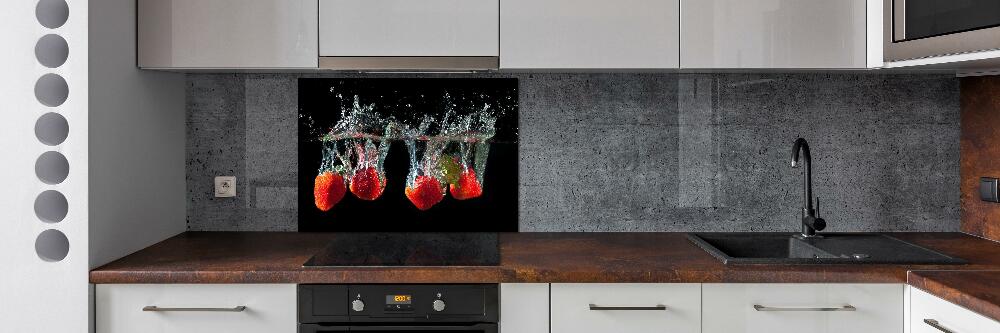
154, 308
935, 324
657, 307
759, 307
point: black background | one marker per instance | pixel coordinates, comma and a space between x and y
320, 108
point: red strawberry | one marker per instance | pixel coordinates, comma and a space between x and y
366, 184
329, 189
425, 192
467, 186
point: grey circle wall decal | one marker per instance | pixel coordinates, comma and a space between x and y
51, 90
52, 13
51, 129
52, 167
52, 245
51, 51
51, 206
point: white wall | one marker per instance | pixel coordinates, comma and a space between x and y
38, 295
124, 187
137, 186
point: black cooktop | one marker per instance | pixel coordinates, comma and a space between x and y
409, 249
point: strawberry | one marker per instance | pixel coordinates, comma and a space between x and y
467, 187
366, 184
425, 192
329, 189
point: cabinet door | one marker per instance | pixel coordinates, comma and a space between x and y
524, 308
227, 33
930, 314
196, 308
802, 308
409, 28
773, 34
625, 308
589, 34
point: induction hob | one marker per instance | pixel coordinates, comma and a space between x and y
409, 249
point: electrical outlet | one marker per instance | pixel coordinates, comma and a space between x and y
988, 189
225, 187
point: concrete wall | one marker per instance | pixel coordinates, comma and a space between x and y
639, 152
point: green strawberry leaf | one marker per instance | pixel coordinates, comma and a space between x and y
450, 168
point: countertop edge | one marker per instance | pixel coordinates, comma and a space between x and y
935, 282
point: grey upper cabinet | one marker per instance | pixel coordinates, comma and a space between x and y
409, 28
192, 34
409, 34
589, 34
509, 34
776, 34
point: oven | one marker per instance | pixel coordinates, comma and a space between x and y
385, 308
916, 29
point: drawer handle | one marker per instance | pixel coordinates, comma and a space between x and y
935, 324
154, 308
759, 307
595, 307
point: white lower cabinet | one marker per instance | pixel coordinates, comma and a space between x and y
625, 308
524, 308
930, 314
188, 308
569, 308
802, 308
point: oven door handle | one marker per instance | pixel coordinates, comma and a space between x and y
485, 328
312, 328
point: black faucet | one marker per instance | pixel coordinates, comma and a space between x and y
810, 221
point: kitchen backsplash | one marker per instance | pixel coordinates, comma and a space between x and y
637, 152
980, 123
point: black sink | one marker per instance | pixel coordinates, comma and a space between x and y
834, 248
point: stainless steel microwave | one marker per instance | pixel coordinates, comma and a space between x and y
916, 29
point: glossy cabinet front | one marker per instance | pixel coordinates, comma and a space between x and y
589, 34
626, 307
196, 308
524, 308
408, 28
243, 34
773, 34
930, 314
802, 308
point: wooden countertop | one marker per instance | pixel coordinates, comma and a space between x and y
974, 290
266, 257
274, 257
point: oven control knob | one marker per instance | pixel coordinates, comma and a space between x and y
438, 305
358, 305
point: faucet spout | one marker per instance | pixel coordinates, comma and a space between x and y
801, 145
810, 222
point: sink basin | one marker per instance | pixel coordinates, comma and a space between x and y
835, 248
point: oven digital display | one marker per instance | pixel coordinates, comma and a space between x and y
398, 299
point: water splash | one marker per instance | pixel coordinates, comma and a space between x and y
368, 175
329, 187
467, 167
448, 153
